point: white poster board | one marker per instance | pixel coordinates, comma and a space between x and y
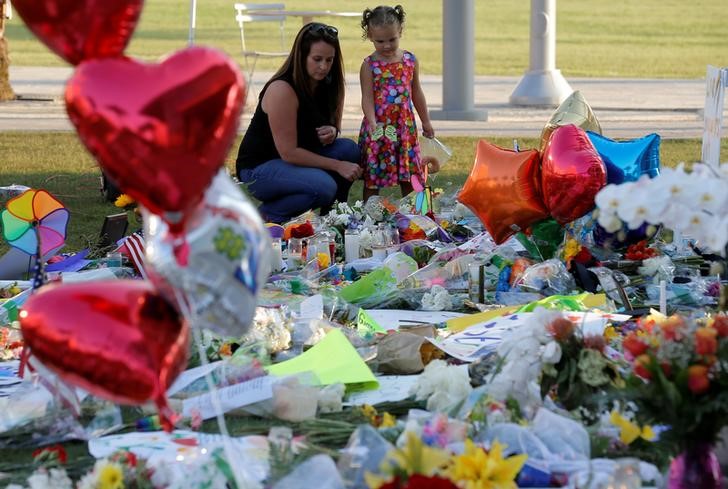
716, 81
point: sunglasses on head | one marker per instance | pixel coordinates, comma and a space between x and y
323, 29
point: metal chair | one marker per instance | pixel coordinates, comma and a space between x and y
246, 12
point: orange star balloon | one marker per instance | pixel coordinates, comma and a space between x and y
504, 190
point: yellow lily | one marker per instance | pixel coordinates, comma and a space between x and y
478, 469
629, 431
414, 458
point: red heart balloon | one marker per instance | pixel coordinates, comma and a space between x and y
160, 131
503, 190
572, 173
80, 30
119, 340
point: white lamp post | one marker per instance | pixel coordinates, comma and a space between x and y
458, 58
542, 84
193, 22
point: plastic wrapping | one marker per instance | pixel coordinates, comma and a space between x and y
435, 429
435, 153
548, 278
612, 283
379, 286
659, 268
364, 453
270, 328
561, 435
686, 294
518, 439
453, 275
318, 471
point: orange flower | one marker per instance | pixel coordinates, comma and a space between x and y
298, 231
225, 350
413, 231
389, 206
641, 366
706, 342
634, 345
720, 323
698, 381
672, 328
561, 329
647, 323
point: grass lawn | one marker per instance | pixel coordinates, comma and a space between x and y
599, 38
59, 163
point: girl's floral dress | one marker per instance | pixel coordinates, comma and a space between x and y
395, 155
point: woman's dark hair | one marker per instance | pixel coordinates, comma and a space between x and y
380, 16
295, 66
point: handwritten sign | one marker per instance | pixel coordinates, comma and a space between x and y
716, 81
231, 397
483, 338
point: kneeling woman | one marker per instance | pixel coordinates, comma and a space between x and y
290, 156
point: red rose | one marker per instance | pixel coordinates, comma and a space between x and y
634, 345
641, 367
666, 369
698, 381
302, 230
55, 452
418, 481
720, 323
595, 342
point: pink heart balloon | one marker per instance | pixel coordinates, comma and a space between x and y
78, 30
160, 131
119, 340
572, 173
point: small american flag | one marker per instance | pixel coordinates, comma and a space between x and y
132, 247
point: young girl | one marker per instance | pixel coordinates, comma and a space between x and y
390, 86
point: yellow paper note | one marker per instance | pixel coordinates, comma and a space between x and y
333, 360
458, 324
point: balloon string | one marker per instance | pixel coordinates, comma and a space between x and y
240, 481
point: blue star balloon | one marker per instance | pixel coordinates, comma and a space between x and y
626, 161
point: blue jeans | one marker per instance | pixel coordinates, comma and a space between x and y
286, 190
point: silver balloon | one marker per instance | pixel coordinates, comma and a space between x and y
228, 254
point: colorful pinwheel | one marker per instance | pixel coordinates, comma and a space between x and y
423, 192
35, 222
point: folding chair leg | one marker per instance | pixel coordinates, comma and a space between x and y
249, 81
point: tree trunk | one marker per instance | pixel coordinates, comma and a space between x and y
6, 91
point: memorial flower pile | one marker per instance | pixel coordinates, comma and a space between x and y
679, 376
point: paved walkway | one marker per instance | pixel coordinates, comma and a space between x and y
626, 108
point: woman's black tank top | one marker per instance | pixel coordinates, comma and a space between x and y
258, 146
